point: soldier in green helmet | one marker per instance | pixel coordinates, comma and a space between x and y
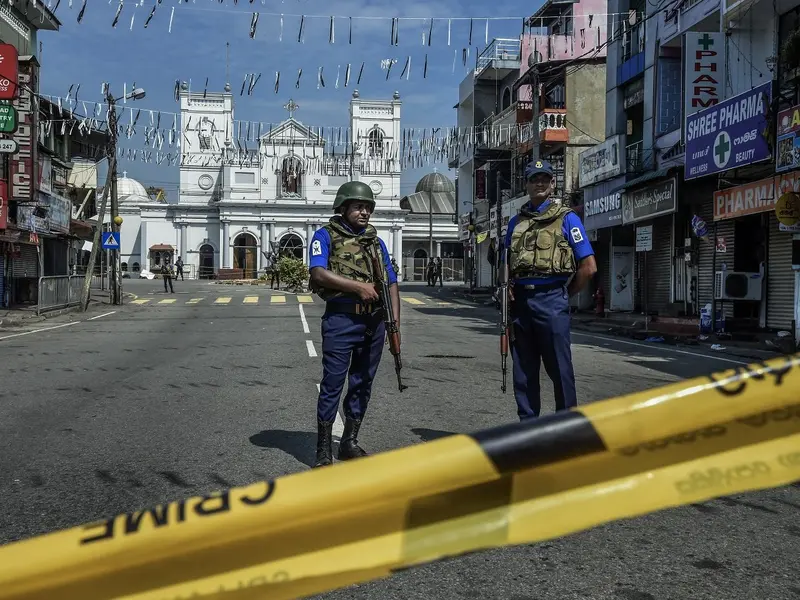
353, 330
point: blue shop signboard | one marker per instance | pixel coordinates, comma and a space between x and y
730, 134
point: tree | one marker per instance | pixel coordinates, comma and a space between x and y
294, 273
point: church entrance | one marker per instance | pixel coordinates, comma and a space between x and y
206, 267
291, 245
245, 255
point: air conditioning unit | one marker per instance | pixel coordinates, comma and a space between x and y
737, 285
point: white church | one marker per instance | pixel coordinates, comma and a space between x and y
230, 213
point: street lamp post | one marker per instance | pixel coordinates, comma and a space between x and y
109, 189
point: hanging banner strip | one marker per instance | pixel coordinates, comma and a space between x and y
327, 528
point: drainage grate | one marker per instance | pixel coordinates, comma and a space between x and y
446, 356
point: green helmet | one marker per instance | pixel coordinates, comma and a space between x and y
353, 190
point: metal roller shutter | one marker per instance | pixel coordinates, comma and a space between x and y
484, 266
27, 265
2, 281
656, 270
706, 250
780, 278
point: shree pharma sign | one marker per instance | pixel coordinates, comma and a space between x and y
730, 134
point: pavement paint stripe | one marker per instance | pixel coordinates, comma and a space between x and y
141, 301
661, 347
305, 299
311, 350
38, 330
250, 300
278, 300
223, 300
303, 319
444, 303
194, 300
101, 316
338, 424
413, 300
168, 301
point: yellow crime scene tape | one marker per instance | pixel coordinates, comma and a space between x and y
327, 528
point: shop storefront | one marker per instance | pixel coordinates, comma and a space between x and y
650, 208
747, 215
602, 210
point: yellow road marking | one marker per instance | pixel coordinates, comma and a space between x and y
141, 301
195, 300
168, 301
251, 300
222, 300
305, 299
278, 300
413, 301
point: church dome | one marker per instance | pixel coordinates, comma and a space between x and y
130, 187
435, 182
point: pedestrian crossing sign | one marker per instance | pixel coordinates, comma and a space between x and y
110, 240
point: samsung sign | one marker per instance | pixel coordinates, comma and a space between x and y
602, 204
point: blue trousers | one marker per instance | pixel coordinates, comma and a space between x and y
349, 352
541, 327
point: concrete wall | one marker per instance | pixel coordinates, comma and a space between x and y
752, 39
586, 106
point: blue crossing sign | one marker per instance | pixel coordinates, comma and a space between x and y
110, 240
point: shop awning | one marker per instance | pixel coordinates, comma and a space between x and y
646, 178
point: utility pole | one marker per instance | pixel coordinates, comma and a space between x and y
430, 223
116, 221
535, 99
110, 188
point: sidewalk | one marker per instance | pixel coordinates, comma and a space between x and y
17, 317
666, 330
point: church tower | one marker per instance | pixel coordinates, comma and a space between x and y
206, 132
376, 127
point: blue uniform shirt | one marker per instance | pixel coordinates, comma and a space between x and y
320, 248
574, 232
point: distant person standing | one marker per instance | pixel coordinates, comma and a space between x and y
179, 268
274, 273
431, 272
437, 272
166, 275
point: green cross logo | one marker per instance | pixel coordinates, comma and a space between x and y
706, 41
722, 149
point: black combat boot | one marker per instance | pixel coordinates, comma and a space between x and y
348, 447
324, 440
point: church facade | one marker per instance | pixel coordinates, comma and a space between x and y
235, 207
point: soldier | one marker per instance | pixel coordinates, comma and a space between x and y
353, 330
166, 275
546, 246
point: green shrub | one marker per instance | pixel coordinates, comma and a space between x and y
293, 273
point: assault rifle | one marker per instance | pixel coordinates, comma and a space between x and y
506, 328
382, 287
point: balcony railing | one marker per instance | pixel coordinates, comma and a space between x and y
553, 126
638, 159
549, 48
503, 129
501, 49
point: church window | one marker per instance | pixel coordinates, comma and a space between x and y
124, 267
291, 245
291, 176
375, 140
136, 267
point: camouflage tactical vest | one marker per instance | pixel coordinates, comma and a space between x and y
538, 246
348, 256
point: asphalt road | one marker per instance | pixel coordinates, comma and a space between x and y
156, 401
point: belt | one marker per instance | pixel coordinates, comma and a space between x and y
354, 309
541, 287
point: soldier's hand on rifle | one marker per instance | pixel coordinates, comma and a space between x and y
367, 292
510, 290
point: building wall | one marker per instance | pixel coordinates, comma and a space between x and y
669, 95
586, 109
751, 41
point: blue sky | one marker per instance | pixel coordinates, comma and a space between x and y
92, 52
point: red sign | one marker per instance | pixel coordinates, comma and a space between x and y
9, 59
3, 205
22, 174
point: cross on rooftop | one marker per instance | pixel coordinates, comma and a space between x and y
291, 106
